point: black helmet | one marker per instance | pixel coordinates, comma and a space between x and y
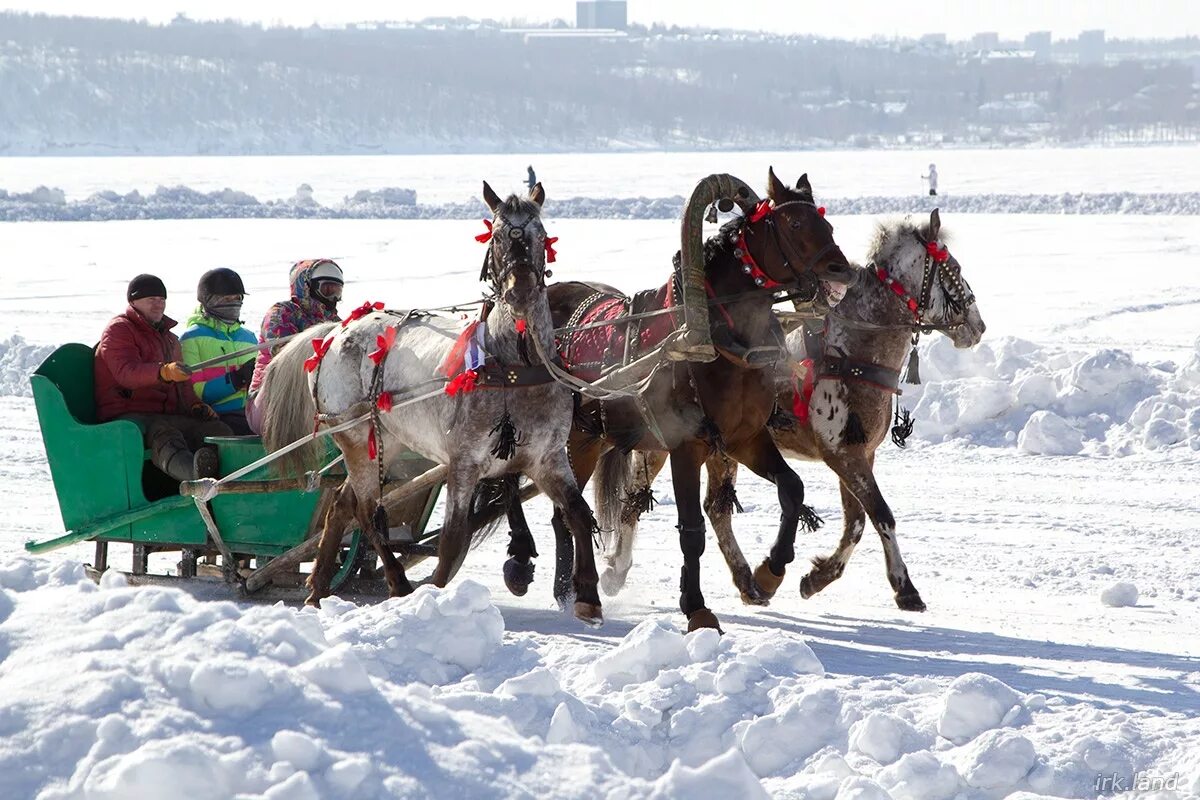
219, 281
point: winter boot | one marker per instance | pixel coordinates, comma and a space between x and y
205, 463
179, 466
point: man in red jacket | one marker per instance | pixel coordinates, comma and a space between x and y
140, 376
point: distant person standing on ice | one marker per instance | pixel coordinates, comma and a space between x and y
530, 181
932, 178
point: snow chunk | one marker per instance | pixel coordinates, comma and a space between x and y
18, 360
860, 788
883, 737
998, 760
797, 730
297, 748
956, 407
1046, 433
920, 776
1106, 382
648, 649
160, 769
236, 688
336, 670
975, 703
1119, 595
723, 777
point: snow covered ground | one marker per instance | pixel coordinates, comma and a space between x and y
1047, 508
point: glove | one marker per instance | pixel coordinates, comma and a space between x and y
203, 411
240, 378
174, 372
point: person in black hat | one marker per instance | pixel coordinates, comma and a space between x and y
214, 330
140, 376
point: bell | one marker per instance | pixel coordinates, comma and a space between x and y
548, 274
711, 216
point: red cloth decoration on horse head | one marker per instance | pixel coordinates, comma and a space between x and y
384, 403
935, 253
761, 210
484, 238
383, 343
320, 348
551, 254
821, 210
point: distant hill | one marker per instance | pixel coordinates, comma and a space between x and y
87, 86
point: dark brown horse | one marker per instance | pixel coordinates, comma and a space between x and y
913, 285
694, 410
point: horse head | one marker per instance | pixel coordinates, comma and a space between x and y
515, 263
922, 272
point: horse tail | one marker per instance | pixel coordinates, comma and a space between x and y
287, 407
613, 475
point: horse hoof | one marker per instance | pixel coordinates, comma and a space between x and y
312, 601
589, 614
703, 618
517, 576
768, 582
752, 595
807, 589
612, 582
910, 602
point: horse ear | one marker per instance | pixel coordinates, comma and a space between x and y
491, 198
804, 187
537, 194
935, 225
776, 190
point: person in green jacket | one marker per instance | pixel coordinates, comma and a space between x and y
214, 330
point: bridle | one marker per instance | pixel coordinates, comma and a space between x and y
766, 211
497, 275
938, 266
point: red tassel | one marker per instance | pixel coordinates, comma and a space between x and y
384, 403
803, 393
484, 238
384, 343
320, 348
520, 326
372, 448
821, 210
463, 382
454, 360
550, 252
362, 311
761, 210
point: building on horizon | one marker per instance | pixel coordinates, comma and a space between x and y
609, 14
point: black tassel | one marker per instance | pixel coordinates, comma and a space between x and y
727, 500
913, 375
507, 440
710, 433
853, 433
809, 518
637, 503
380, 521
902, 426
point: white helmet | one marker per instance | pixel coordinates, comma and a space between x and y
326, 272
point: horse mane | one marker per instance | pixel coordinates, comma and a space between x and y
516, 204
889, 235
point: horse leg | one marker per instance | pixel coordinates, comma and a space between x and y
456, 528
685, 479
582, 457
827, 569
719, 502
518, 569
858, 474
762, 456
363, 475
340, 512
554, 478
618, 557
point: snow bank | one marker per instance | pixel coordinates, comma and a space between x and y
18, 360
113, 691
1048, 402
183, 202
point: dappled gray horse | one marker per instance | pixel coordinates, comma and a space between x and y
507, 416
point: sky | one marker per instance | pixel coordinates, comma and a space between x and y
848, 19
